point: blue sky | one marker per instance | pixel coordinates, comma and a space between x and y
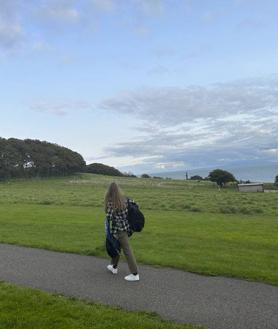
143, 85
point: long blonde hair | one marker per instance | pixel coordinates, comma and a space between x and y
115, 196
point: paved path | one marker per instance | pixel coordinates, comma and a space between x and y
215, 302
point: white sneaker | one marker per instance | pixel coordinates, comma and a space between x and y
112, 269
132, 277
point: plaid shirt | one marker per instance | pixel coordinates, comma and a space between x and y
119, 219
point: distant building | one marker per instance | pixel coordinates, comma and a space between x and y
251, 187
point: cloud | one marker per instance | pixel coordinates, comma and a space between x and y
212, 16
170, 165
158, 70
212, 144
11, 35
141, 30
105, 5
251, 23
11, 30
164, 52
201, 126
196, 52
24, 24
170, 106
60, 12
63, 14
60, 108
146, 7
41, 45
150, 7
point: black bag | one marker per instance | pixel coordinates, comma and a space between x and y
112, 245
135, 217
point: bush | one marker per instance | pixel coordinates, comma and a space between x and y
196, 177
129, 174
101, 169
195, 209
228, 210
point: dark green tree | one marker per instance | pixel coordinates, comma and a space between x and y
221, 177
196, 177
99, 168
276, 180
27, 158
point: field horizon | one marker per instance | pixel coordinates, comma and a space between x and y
257, 172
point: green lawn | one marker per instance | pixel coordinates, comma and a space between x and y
66, 215
22, 308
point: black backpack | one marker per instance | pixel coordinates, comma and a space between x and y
135, 217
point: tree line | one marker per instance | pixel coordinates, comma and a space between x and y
29, 158
219, 176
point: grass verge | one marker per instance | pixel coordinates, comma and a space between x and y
22, 308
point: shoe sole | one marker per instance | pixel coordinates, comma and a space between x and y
132, 280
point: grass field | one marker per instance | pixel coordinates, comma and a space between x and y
190, 225
88, 190
22, 308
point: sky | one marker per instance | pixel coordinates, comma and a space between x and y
143, 85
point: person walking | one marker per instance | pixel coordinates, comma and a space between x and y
116, 208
